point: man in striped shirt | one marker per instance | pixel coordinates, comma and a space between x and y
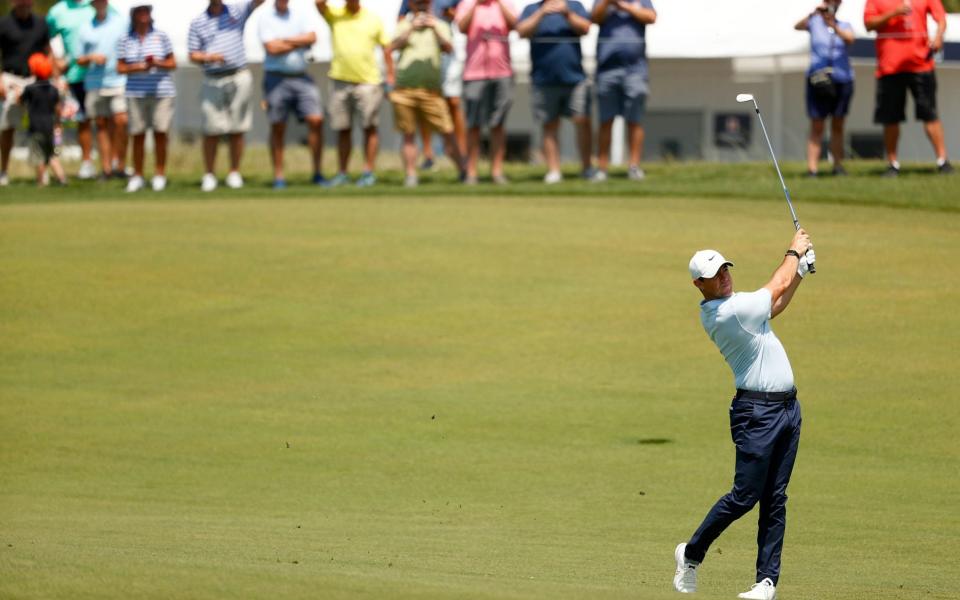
215, 42
146, 57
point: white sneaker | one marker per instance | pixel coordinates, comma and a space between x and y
135, 184
599, 177
410, 181
553, 177
208, 183
159, 183
765, 590
87, 170
685, 581
4, 180
234, 180
635, 173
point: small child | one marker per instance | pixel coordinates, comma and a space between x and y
42, 101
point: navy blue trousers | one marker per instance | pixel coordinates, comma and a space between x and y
767, 435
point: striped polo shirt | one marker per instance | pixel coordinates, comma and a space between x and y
221, 34
155, 82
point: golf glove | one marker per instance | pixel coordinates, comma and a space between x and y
805, 261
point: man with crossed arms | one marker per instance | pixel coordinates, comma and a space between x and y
764, 415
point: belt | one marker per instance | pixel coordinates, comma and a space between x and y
768, 397
285, 74
224, 72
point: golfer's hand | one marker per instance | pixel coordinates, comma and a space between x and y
936, 44
805, 261
801, 242
98, 59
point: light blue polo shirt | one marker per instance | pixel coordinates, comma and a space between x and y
103, 37
827, 49
740, 327
274, 26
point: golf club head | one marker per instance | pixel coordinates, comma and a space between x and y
745, 98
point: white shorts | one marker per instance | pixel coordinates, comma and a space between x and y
452, 69
11, 113
105, 103
226, 103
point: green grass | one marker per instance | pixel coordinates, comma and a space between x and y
462, 395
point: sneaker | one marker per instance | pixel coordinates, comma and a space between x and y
427, 164
120, 174
319, 179
765, 590
470, 180
553, 177
839, 171
409, 181
208, 183
946, 168
135, 184
811, 175
599, 176
87, 170
501, 180
4, 180
589, 173
234, 180
339, 179
635, 173
892, 171
158, 183
279, 184
366, 179
685, 580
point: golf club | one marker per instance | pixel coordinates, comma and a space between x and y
796, 222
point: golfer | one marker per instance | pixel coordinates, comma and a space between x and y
764, 415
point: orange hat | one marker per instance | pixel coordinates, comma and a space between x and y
40, 66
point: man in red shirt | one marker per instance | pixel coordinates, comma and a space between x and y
905, 61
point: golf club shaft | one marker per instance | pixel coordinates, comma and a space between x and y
783, 184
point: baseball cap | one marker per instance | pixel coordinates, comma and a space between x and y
706, 263
40, 65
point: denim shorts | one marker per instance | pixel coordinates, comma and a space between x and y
622, 92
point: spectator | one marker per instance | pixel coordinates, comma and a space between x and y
287, 38
451, 69
829, 87
97, 43
560, 87
215, 41
64, 19
146, 57
42, 101
622, 75
422, 39
488, 78
905, 61
357, 90
22, 34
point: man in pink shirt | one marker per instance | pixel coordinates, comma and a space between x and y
488, 78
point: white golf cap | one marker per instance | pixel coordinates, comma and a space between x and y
706, 263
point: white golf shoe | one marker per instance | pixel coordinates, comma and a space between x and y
159, 183
135, 184
553, 177
208, 183
87, 170
765, 590
685, 581
234, 180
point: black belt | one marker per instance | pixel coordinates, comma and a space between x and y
224, 72
299, 75
772, 397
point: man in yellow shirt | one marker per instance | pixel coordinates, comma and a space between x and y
357, 85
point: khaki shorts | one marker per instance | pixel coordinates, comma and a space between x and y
11, 113
348, 98
412, 107
226, 103
105, 103
150, 112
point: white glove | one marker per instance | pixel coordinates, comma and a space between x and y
805, 261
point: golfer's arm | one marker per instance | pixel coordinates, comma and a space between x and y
579, 25
780, 284
642, 15
464, 22
846, 35
804, 23
527, 27
879, 21
599, 12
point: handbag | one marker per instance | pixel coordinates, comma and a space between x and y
821, 81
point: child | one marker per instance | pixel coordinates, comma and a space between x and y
43, 104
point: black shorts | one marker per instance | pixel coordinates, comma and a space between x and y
892, 97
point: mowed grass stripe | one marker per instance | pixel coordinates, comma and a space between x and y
446, 397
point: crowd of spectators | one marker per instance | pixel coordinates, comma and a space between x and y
452, 77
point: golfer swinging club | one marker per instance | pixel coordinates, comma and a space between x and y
764, 415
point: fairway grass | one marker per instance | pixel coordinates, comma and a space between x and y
438, 396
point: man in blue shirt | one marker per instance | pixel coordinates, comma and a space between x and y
98, 44
764, 414
560, 87
215, 42
287, 36
622, 79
